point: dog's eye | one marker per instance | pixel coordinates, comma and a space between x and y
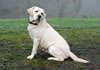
36, 11
42, 14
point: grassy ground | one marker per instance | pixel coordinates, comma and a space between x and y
82, 34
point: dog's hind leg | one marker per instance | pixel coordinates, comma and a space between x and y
57, 53
56, 59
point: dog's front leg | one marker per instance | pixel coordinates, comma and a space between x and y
34, 49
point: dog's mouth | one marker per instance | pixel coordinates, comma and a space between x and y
34, 22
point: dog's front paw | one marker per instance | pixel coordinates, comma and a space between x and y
29, 57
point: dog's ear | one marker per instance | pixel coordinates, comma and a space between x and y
30, 11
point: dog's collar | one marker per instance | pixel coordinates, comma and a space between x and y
33, 23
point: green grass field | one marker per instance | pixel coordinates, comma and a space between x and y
82, 34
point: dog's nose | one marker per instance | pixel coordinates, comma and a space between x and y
39, 16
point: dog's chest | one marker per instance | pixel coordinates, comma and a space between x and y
35, 31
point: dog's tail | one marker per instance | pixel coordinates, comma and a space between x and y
75, 58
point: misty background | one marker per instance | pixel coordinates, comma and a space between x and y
53, 8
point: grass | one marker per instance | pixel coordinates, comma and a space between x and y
82, 34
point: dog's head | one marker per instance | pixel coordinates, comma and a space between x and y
36, 14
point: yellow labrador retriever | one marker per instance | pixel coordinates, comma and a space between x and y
45, 37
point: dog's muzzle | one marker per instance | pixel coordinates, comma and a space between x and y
35, 22
39, 18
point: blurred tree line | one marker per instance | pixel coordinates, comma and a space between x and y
54, 8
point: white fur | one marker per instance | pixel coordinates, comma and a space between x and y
45, 37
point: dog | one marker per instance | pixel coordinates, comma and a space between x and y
46, 38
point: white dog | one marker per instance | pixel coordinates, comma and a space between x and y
46, 38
